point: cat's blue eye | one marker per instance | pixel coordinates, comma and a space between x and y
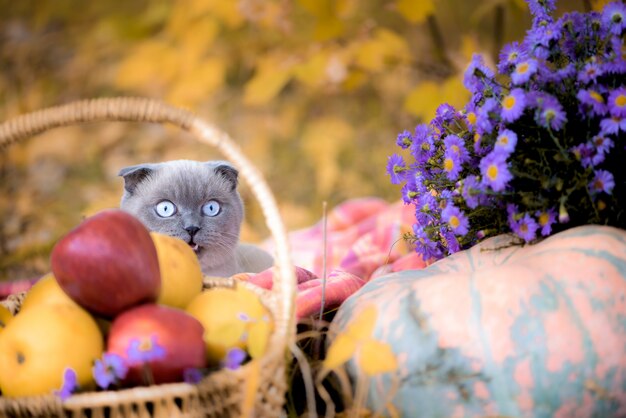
165, 209
212, 208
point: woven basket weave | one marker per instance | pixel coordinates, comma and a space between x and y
256, 389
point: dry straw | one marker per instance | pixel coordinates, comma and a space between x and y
257, 388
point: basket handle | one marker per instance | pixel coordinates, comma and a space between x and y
136, 109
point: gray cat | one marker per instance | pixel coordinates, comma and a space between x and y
197, 202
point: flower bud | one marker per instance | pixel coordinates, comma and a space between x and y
563, 215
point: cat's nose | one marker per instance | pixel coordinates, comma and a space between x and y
192, 230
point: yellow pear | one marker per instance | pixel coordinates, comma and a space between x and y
5, 317
41, 342
181, 275
231, 318
45, 291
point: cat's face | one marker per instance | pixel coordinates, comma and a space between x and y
195, 201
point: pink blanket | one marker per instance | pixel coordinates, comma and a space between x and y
364, 240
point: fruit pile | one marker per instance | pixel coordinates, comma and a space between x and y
124, 307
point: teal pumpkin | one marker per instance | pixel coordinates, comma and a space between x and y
532, 331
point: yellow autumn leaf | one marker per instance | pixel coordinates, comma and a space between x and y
423, 100
272, 74
384, 45
469, 46
363, 325
198, 83
151, 64
196, 41
415, 11
341, 350
323, 140
376, 357
226, 11
327, 28
312, 71
598, 5
454, 92
258, 336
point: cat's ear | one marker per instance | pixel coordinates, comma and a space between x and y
226, 171
134, 175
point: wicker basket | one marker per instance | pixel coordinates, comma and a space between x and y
256, 389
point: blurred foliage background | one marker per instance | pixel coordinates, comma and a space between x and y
315, 91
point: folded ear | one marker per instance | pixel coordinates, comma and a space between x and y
226, 170
135, 174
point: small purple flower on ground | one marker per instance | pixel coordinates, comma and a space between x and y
144, 351
110, 370
69, 384
193, 375
234, 358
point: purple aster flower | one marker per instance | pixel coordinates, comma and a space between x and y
525, 228
512, 213
614, 17
456, 219
546, 219
396, 169
484, 122
590, 72
193, 375
602, 143
70, 384
523, 71
452, 243
456, 145
506, 141
427, 204
602, 182
550, 113
510, 55
234, 358
404, 139
495, 171
612, 125
424, 245
617, 102
615, 62
445, 113
593, 100
110, 370
144, 351
587, 155
423, 146
472, 191
541, 8
477, 75
513, 105
452, 164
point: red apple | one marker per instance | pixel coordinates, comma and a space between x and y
165, 340
108, 263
